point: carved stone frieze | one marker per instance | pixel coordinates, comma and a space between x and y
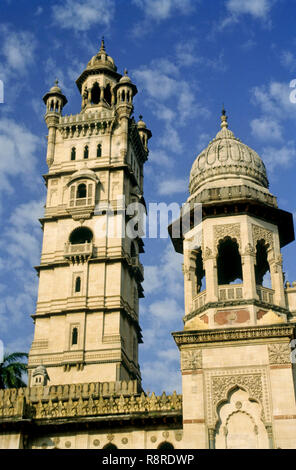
227, 230
279, 353
220, 383
191, 359
260, 233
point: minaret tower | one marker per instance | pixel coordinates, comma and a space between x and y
87, 316
238, 388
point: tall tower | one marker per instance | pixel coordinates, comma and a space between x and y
238, 388
87, 316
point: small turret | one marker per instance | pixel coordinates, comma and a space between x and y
54, 99
40, 376
125, 90
145, 133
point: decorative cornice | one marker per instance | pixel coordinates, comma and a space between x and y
235, 303
81, 400
233, 334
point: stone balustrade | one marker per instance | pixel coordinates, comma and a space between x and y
82, 400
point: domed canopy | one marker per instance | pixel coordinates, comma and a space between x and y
99, 62
226, 155
55, 91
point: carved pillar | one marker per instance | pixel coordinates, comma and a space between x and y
248, 269
277, 278
210, 266
190, 280
270, 436
101, 93
212, 433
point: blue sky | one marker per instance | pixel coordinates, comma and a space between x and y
187, 57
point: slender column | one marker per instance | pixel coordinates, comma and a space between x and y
270, 436
211, 438
190, 280
248, 268
277, 278
210, 265
51, 122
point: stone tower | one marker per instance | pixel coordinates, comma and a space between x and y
238, 388
87, 316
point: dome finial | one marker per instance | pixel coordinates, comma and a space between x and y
102, 48
224, 123
56, 82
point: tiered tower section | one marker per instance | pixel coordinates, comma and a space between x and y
238, 387
87, 317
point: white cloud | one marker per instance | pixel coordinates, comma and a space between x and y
159, 10
283, 157
288, 60
81, 16
256, 8
266, 128
18, 49
18, 147
173, 185
160, 157
274, 99
166, 275
162, 376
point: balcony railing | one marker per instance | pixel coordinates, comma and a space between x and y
199, 300
78, 252
231, 292
265, 294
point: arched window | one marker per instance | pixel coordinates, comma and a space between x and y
74, 336
81, 235
85, 153
95, 94
123, 95
78, 284
110, 446
73, 153
200, 272
165, 446
262, 271
107, 94
81, 191
229, 263
99, 150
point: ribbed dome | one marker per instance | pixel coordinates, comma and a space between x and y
226, 155
102, 59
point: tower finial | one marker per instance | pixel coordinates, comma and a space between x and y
224, 123
102, 48
56, 82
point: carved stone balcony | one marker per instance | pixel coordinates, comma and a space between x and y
231, 292
78, 253
265, 294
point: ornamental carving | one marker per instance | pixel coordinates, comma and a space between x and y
191, 359
220, 383
279, 353
227, 230
22, 403
260, 233
249, 250
207, 253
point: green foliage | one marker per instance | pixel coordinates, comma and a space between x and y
12, 370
